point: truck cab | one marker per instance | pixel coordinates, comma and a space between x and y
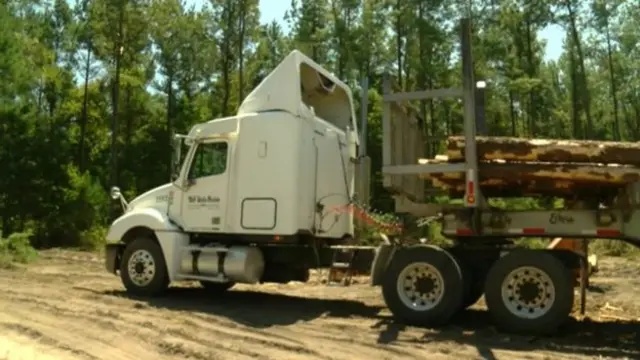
248, 189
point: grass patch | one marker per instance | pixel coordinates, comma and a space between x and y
16, 248
614, 248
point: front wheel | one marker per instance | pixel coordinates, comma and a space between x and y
529, 291
143, 270
423, 286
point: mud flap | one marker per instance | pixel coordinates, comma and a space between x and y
112, 253
383, 256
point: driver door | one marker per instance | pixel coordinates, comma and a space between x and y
205, 200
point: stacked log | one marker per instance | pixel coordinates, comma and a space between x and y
550, 151
525, 167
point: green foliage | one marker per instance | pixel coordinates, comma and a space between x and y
16, 248
93, 238
369, 227
79, 209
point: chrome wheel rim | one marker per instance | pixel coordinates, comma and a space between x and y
420, 286
528, 292
141, 267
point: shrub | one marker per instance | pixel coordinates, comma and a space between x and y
93, 238
16, 249
613, 248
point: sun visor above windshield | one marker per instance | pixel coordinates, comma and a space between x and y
298, 84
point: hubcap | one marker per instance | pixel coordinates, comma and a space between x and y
528, 292
141, 267
420, 286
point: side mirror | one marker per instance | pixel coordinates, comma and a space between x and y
115, 193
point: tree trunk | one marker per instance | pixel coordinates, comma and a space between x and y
614, 94
170, 117
575, 103
583, 74
84, 117
241, 34
115, 99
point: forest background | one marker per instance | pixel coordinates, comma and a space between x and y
91, 90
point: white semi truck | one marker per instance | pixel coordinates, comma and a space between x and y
254, 195
254, 198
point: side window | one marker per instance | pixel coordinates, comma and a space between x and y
210, 159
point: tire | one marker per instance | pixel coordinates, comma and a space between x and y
215, 287
443, 269
545, 277
145, 255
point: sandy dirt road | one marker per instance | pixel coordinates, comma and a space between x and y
66, 306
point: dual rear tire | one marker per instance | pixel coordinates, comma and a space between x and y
525, 291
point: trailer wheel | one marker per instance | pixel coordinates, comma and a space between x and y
143, 270
529, 291
423, 286
216, 287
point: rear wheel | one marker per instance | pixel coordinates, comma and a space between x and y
423, 285
529, 292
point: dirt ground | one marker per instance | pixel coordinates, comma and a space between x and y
65, 306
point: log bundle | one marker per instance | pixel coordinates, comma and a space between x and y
540, 150
525, 167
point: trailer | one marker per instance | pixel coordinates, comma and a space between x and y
269, 194
525, 290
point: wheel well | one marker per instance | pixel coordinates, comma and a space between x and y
137, 232
129, 236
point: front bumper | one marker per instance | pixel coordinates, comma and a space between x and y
112, 257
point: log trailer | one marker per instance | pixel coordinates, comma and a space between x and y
253, 199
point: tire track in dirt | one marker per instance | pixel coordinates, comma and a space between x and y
68, 302
126, 315
180, 341
122, 318
230, 324
76, 337
127, 320
119, 334
44, 339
